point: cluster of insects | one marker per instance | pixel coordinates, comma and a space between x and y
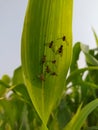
60, 49
47, 69
44, 61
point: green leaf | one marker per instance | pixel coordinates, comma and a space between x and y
17, 76
79, 72
95, 35
22, 92
63, 110
46, 52
89, 84
6, 79
93, 128
24, 119
11, 112
18, 85
84, 48
3, 88
90, 59
81, 115
75, 57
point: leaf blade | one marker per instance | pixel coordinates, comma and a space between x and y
40, 28
79, 118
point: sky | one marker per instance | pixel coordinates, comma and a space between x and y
12, 12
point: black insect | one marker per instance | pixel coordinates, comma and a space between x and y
43, 59
54, 74
53, 61
60, 49
51, 44
63, 38
41, 77
47, 69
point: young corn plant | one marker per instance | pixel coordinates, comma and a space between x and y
46, 57
46, 52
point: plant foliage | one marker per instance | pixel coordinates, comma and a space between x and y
40, 95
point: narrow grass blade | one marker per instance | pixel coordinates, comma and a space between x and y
95, 36
81, 115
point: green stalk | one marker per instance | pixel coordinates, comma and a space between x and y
45, 64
